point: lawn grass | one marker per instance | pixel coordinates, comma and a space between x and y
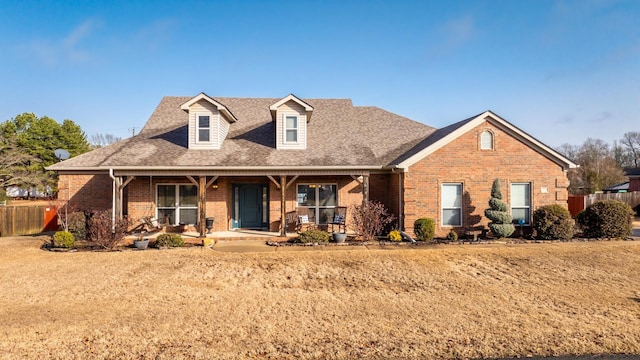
442, 302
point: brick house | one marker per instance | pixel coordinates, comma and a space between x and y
248, 161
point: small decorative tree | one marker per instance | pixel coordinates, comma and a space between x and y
498, 213
370, 219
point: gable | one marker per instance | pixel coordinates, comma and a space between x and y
497, 125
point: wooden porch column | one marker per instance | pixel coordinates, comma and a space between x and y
283, 206
202, 205
365, 189
118, 199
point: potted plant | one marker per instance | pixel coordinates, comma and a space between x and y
141, 243
339, 237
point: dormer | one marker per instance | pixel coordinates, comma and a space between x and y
291, 116
209, 122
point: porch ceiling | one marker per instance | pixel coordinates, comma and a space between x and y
241, 172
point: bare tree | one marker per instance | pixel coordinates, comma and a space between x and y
631, 144
598, 167
14, 164
100, 140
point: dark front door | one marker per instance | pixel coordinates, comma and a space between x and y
251, 206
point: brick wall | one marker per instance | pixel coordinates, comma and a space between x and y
462, 161
634, 184
86, 192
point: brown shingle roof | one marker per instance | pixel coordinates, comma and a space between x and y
339, 134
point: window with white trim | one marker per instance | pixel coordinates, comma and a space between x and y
290, 129
320, 199
521, 202
486, 140
177, 203
204, 128
452, 204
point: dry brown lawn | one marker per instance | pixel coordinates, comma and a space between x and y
441, 302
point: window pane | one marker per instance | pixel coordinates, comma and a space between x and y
203, 135
203, 121
188, 195
327, 195
326, 215
520, 195
520, 213
166, 195
292, 135
306, 195
486, 140
312, 215
166, 216
451, 217
451, 195
188, 216
291, 122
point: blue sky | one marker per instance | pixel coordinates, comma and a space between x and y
561, 70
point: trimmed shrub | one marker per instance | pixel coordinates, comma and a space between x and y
395, 235
498, 213
77, 223
606, 219
425, 229
452, 236
553, 222
169, 240
313, 236
63, 239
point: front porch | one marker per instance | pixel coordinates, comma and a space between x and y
239, 203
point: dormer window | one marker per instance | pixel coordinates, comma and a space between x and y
209, 122
204, 128
291, 128
291, 117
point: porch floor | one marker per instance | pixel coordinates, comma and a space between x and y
240, 234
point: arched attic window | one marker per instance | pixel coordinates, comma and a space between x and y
486, 140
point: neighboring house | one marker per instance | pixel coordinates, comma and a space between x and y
618, 188
633, 183
248, 161
634, 179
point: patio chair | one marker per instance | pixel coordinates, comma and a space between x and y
339, 219
304, 223
150, 223
291, 223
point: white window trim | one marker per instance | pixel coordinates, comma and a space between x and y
317, 207
177, 205
442, 208
285, 128
492, 146
198, 128
528, 208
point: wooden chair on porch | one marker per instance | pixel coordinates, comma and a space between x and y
291, 219
339, 219
304, 223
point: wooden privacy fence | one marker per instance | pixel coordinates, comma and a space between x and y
27, 220
580, 202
